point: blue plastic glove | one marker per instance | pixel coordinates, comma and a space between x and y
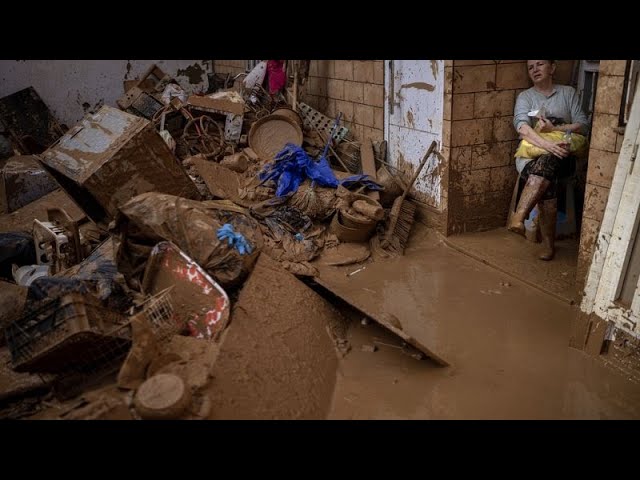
234, 239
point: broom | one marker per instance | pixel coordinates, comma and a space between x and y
402, 214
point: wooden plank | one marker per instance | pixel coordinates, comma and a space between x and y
595, 336
385, 319
221, 182
277, 359
22, 219
369, 166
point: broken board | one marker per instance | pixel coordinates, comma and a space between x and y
22, 219
383, 291
221, 181
369, 166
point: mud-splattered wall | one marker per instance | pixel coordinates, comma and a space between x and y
70, 88
482, 170
415, 92
606, 142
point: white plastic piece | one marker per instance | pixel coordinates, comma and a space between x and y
255, 76
27, 274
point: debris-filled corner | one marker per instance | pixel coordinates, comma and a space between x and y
161, 258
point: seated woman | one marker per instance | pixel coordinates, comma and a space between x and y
553, 108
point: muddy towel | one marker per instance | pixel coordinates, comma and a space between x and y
234, 239
150, 218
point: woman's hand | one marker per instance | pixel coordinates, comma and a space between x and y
544, 125
558, 149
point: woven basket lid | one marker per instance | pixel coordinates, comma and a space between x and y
290, 113
270, 134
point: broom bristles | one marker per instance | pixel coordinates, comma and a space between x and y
398, 238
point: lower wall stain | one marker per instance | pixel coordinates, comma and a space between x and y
194, 73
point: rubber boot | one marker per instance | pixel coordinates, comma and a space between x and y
531, 194
548, 217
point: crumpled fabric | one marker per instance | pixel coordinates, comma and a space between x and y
277, 76
234, 239
364, 180
292, 165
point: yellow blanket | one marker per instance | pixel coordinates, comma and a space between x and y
579, 145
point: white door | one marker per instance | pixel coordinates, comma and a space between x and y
612, 289
414, 97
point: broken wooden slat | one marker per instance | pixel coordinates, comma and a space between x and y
369, 166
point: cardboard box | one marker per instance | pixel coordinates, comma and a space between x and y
112, 156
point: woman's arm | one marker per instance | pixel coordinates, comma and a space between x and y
547, 126
531, 136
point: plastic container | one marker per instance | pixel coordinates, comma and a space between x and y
72, 332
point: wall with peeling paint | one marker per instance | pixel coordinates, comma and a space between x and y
70, 88
414, 101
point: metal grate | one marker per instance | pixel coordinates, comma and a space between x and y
145, 105
160, 313
314, 119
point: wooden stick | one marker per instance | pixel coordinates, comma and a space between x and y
332, 150
295, 86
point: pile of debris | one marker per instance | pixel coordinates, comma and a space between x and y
176, 201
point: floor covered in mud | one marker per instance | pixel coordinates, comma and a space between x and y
506, 343
512, 254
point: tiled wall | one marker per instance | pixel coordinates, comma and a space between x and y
482, 168
353, 87
605, 147
230, 66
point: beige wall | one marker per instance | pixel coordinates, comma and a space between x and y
482, 171
233, 67
353, 87
605, 146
